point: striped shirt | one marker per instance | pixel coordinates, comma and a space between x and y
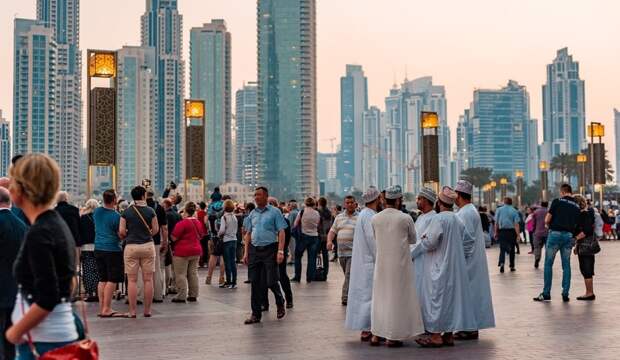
343, 227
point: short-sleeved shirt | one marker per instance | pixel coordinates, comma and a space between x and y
344, 227
137, 230
564, 213
106, 229
187, 233
506, 217
264, 225
161, 220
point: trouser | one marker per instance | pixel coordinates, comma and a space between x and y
285, 283
345, 264
7, 350
335, 247
186, 275
507, 242
539, 242
325, 257
239, 252
90, 276
230, 261
158, 279
291, 246
264, 274
558, 241
311, 243
204, 244
530, 236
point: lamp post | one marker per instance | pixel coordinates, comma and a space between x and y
195, 146
487, 195
581, 161
596, 130
503, 184
493, 186
429, 122
519, 176
544, 180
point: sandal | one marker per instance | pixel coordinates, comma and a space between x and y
427, 342
376, 340
394, 343
365, 336
113, 314
466, 335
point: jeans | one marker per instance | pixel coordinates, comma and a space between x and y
311, 243
558, 241
186, 276
507, 242
230, 261
24, 353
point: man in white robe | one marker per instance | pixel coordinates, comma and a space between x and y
396, 314
425, 202
476, 262
444, 286
362, 267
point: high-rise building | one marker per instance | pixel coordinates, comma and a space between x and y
162, 29
287, 96
327, 170
63, 18
533, 157
35, 126
210, 81
353, 103
564, 116
617, 143
372, 154
136, 109
464, 143
5, 146
246, 121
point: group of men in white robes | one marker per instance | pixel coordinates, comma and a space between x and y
443, 294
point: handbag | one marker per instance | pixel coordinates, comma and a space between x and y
296, 231
589, 246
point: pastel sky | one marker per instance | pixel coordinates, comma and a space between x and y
463, 44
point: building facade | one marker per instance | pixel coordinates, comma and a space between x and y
287, 96
246, 140
210, 74
63, 18
564, 117
5, 146
327, 170
161, 28
464, 143
136, 109
372, 154
353, 103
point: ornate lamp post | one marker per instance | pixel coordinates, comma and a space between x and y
519, 176
493, 186
596, 130
429, 122
544, 180
195, 147
503, 184
581, 161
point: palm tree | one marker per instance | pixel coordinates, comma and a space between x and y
565, 164
609, 173
497, 177
478, 177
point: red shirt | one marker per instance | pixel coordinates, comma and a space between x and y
187, 234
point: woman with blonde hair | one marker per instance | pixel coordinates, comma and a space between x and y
228, 232
88, 263
45, 265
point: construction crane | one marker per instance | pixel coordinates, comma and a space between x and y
332, 141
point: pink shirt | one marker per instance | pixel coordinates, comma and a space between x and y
188, 233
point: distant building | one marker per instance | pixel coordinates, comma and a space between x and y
373, 154
533, 157
238, 192
246, 138
327, 166
5, 146
617, 143
464, 143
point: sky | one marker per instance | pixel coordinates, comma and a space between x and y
464, 45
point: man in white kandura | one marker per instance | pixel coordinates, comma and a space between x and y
444, 291
363, 266
476, 262
396, 313
425, 202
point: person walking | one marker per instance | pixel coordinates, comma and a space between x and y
561, 219
540, 231
585, 248
308, 223
186, 254
45, 265
137, 226
89, 275
507, 231
343, 228
325, 224
264, 250
293, 211
228, 233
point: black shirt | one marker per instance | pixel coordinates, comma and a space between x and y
161, 219
87, 230
172, 218
484, 220
71, 215
45, 264
585, 223
138, 227
564, 213
12, 232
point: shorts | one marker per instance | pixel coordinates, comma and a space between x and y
586, 266
139, 256
110, 266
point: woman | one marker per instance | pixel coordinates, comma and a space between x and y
45, 265
137, 227
529, 227
585, 232
228, 233
186, 254
308, 221
325, 224
90, 277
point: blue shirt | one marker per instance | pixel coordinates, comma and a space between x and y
106, 229
264, 224
506, 216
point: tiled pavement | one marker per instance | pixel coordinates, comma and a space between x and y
213, 328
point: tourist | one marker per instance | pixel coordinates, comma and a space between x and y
12, 231
507, 233
486, 225
325, 224
108, 253
172, 218
444, 289
228, 233
293, 211
475, 261
561, 220
88, 270
396, 313
308, 223
240, 216
160, 240
363, 266
201, 215
138, 225
540, 231
586, 240
343, 228
264, 250
186, 253
71, 215
612, 224
214, 214
529, 227
216, 196
284, 281
425, 201
45, 266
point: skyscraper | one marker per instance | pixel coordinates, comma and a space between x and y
464, 143
617, 143
5, 146
210, 81
563, 107
63, 18
245, 135
372, 153
533, 157
136, 106
353, 103
35, 126
162, 29
287, 95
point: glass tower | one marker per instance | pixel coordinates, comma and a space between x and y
246, 141
5, 146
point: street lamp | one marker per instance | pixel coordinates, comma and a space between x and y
519, 176
544, 180
429, 122
581, 160
503, 182
597, 156
195, 146
493, 185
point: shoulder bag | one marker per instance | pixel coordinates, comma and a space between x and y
146, 225
588, 246
296, 231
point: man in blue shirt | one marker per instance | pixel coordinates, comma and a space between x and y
507, 232
264, 250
